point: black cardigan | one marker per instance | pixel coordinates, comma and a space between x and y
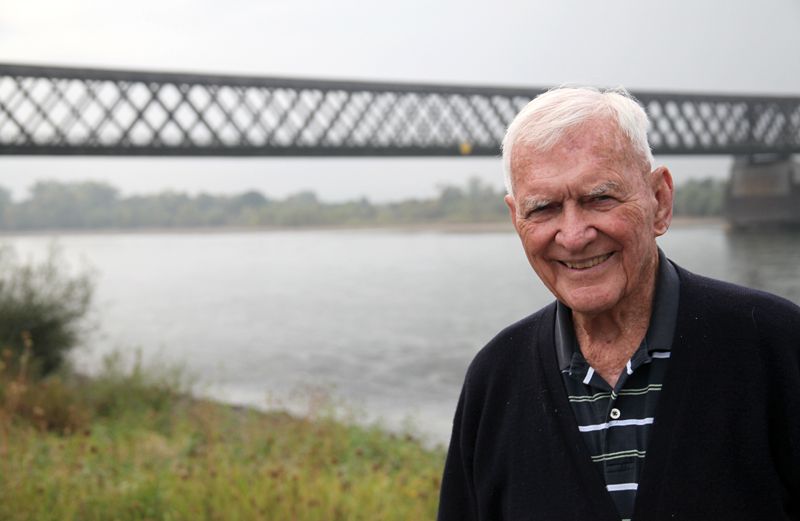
725, 444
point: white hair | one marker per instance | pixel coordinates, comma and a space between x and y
543, 122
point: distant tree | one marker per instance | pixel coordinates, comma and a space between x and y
250, 198
66, 205
5, 207
300, 209
478, 202
245, 209
96, 205
700, 197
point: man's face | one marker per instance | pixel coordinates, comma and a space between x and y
588, 215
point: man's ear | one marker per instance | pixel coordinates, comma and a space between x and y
512, 208
661, 182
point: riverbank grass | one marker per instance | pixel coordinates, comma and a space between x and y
133, 446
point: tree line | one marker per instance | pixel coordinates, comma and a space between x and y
94, 205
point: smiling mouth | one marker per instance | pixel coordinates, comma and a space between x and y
588, 263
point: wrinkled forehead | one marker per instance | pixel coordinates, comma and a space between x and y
601, 139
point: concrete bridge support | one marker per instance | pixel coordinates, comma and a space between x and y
764, 190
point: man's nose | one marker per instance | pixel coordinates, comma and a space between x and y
575, 230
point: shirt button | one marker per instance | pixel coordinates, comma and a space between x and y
615, 414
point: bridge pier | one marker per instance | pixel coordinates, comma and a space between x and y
764, 190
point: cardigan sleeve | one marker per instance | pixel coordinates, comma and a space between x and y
457, 494
778, 324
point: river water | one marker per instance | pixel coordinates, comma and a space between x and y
384, 321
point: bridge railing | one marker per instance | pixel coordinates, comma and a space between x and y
68, 111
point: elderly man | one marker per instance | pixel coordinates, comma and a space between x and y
644, 392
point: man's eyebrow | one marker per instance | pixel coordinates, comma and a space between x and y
603, 188
532, 203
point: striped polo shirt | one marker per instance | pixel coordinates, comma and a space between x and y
616, 423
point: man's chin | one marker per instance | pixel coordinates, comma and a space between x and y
589, 303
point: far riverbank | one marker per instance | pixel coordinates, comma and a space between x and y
442, 227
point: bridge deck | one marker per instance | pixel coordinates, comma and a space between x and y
71, 111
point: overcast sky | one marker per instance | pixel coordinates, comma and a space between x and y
707, 46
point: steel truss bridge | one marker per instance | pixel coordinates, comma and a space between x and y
76, 111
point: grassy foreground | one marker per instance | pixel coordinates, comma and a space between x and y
128, 446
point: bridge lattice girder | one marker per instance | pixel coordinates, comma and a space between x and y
71, 111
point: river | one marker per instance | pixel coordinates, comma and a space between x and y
384, 321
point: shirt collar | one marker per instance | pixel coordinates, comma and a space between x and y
662, 317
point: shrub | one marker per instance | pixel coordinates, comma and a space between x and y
41, 306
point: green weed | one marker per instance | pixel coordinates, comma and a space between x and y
131, 445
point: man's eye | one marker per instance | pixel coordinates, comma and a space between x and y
540, 210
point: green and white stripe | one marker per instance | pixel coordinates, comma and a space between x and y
613, 395
636, 392
618, 455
